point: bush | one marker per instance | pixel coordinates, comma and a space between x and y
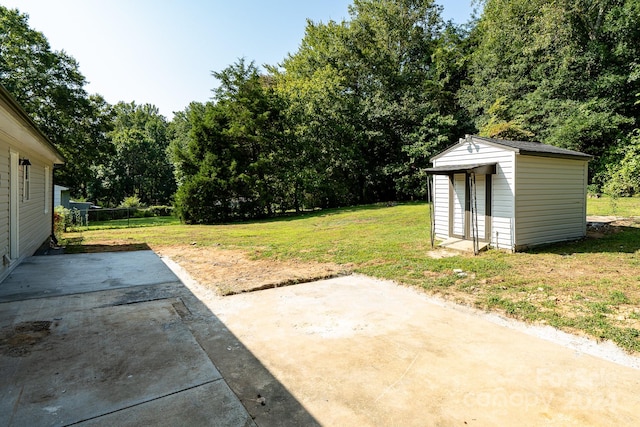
160, 210
60, 215
194, 201
624, 177
142, 213
131, 202
64, 219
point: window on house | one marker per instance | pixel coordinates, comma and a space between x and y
26, 177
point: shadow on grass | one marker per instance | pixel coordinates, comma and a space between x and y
619, 239
293, 216
78, 248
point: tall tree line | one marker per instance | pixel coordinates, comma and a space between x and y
353, 115
112, 152
563, 72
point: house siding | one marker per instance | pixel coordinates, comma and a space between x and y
4, 200
35, 224
503, 185
550, 200
20, 139
459, 186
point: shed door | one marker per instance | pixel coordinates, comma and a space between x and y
459, 192
480, 205
470, 210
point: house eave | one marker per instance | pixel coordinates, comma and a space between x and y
22, 116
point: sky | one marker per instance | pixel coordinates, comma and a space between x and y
162, 52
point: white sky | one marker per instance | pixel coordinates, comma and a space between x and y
162, 52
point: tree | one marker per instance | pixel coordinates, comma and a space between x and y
139, 165
226, 166
624, 176
561, 72
376, 93
50, 87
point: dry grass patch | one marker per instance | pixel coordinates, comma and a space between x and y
230, 271
226, 271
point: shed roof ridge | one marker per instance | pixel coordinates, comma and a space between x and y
532, 147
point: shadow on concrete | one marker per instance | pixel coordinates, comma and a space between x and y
126, 344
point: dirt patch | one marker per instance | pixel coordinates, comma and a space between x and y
227, 271
440, 253
232, 271
18, 340
601, 227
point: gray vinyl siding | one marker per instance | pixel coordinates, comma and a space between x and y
4, 200
35, 225
503, 184
550, 200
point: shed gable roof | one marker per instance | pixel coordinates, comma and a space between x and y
522, 147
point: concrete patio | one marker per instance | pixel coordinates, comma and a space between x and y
116, 339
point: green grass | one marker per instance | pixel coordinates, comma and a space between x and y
128, 223
620, 206
592, 286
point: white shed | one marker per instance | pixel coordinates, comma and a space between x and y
509, 194
61, 196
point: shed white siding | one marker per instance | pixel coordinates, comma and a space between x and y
441, 206
537, 193
459, 183
550, 200
480, 203
502, 201
502, 188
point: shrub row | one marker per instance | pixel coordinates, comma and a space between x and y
122, 213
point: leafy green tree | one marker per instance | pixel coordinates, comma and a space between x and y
624, 176
181, 137
226, 166
562, 72
50, 87
374, 97
139, 165
320, 112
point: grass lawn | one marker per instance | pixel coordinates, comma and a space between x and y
590, 286
129, 223
619, 206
